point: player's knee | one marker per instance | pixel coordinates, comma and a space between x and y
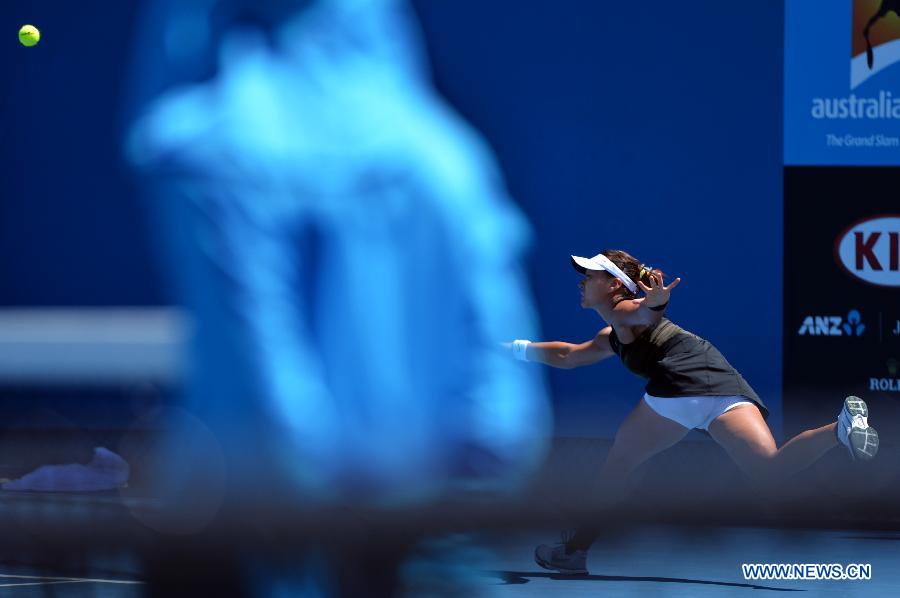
761, 466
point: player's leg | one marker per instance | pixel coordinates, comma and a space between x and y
643, 434
744, 435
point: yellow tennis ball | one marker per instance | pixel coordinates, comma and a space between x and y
29, 35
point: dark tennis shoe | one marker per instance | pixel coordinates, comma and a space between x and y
556, 558
854, 431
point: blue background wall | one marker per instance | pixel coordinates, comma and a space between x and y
653, 127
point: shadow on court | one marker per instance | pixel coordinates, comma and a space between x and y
522, 577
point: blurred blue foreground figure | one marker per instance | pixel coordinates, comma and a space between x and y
346, 248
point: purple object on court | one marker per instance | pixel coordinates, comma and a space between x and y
105, 471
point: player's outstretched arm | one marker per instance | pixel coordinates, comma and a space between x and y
565, 355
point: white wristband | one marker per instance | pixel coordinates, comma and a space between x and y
519, 349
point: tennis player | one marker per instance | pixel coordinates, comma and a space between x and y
690, 386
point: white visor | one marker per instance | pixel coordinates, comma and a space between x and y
601, 262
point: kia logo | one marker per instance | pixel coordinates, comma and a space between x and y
870, 250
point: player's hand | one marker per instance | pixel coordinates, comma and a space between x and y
656, 292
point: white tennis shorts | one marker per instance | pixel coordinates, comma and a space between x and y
694, 412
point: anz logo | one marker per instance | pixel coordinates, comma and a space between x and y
833, 325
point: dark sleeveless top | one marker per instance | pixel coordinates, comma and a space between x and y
680, 364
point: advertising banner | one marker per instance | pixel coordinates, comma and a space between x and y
842, 82
841, 295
